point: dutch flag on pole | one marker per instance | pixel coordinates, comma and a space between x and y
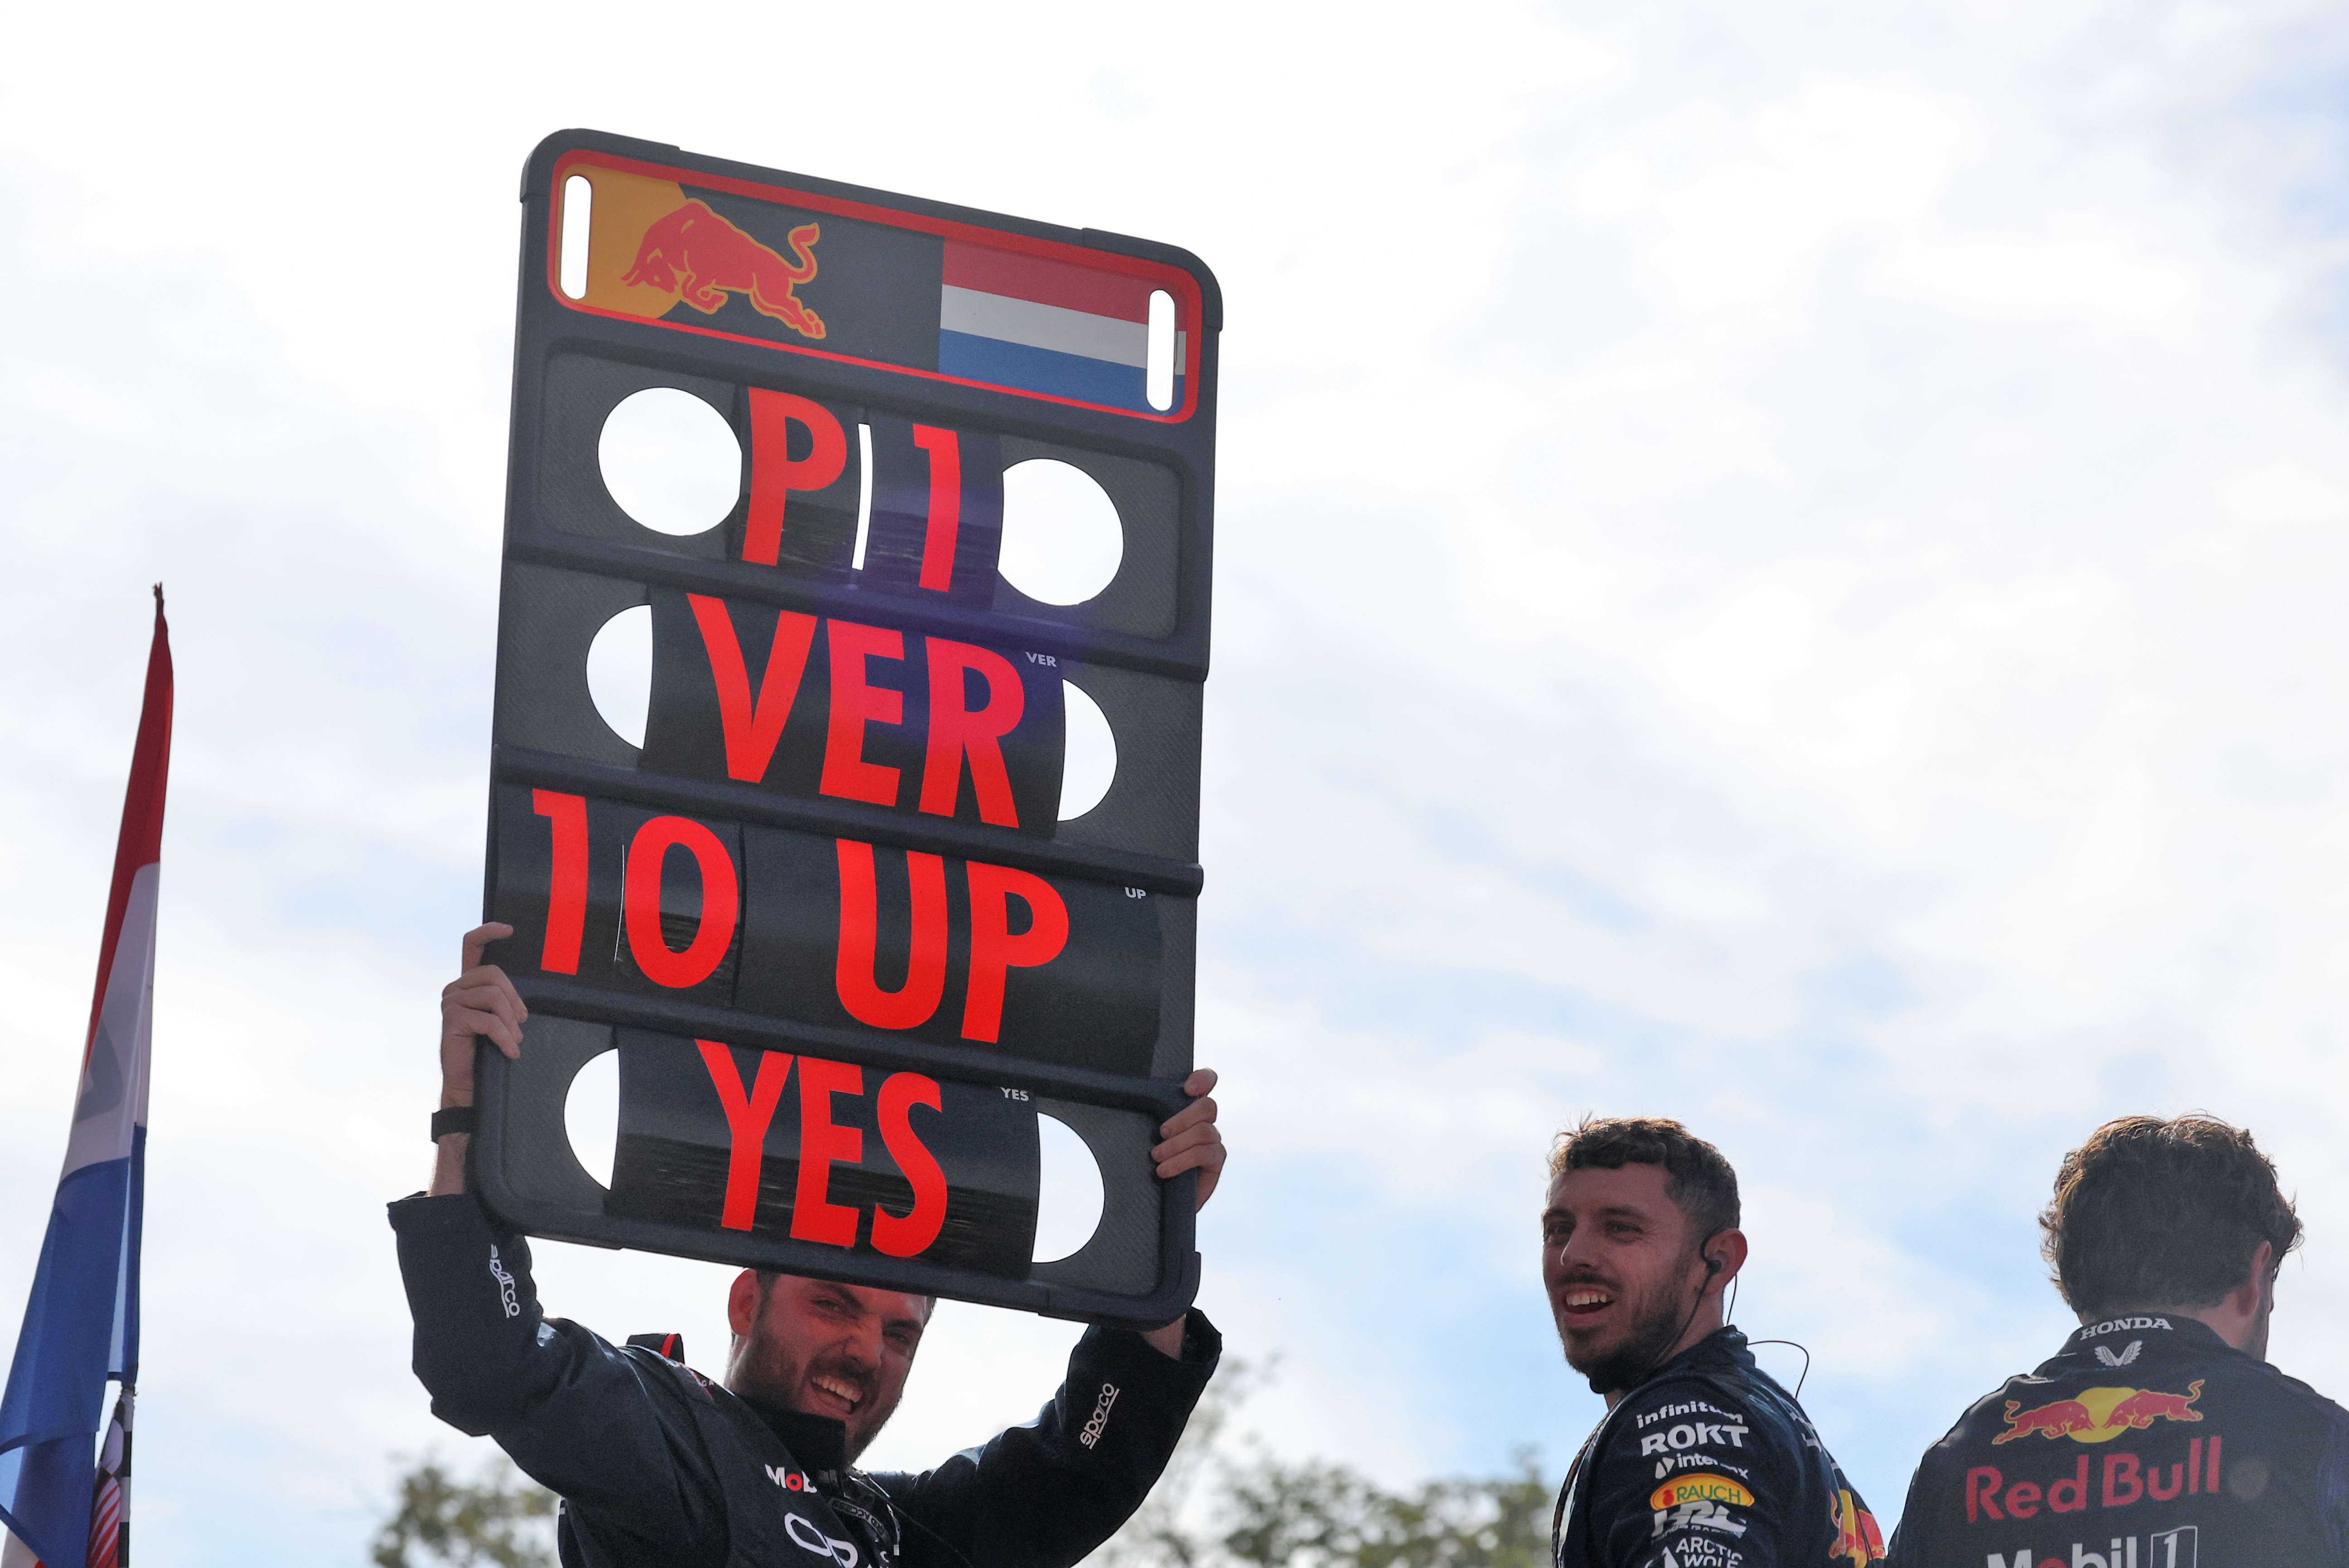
63, 1502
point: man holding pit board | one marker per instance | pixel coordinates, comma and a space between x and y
829, 897
657, 1464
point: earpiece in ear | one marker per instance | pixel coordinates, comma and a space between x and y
1712, 1266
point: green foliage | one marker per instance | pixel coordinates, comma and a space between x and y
499, 1517
1222, 1503
1318, 1515
1225, 1503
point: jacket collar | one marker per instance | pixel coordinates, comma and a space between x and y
2119, 1340
1723, 1346
818, 1442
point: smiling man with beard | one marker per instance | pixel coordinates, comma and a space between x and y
656, 1465
1701, 1460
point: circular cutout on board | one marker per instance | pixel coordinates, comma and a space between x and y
620, 672
1088, 754
591, 1115
1061, 538
670, 460
1069, 1198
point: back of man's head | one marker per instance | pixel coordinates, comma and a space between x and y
1697, 1180
2162, 1214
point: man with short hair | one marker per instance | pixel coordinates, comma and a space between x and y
2157, 1436
656, 1465
1701, 1460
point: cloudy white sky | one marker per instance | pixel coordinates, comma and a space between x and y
1778, 564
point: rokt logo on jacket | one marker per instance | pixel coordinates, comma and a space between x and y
2100, 1415
1688, 1434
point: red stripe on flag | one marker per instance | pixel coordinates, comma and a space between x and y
105, 1526
1042, 282
141, 843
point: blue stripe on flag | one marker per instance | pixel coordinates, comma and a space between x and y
1041, 370
57, 1385
122, 1357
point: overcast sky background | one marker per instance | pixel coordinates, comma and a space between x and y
1778, 564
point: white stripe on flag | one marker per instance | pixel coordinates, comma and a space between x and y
114, 1084
1052, 326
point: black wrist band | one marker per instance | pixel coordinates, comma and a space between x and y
455, 1119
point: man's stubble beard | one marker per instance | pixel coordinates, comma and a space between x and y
751, 1381
1629, 1363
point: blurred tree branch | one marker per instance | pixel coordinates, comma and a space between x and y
1225, 1503
499, 1517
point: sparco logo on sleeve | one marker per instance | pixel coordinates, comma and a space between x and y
1094, 1428
505, 1286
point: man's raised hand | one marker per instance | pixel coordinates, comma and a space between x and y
479, 1002
1191, 1141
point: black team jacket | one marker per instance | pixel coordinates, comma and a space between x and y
657, 1466
2147, 1442
1710, 1464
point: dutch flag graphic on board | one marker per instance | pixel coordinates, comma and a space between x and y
1044, 326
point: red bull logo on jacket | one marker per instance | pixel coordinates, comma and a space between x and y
2120, 1480
2100, 1415
1858, 1542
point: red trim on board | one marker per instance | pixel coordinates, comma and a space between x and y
1173, 279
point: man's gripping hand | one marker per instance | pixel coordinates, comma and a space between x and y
1190, 1139
480, 1002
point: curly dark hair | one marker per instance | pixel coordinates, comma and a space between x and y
1698, 1180
2151, 1213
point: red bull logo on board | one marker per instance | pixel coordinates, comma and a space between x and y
2100, 1415
652, 246
695, 255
